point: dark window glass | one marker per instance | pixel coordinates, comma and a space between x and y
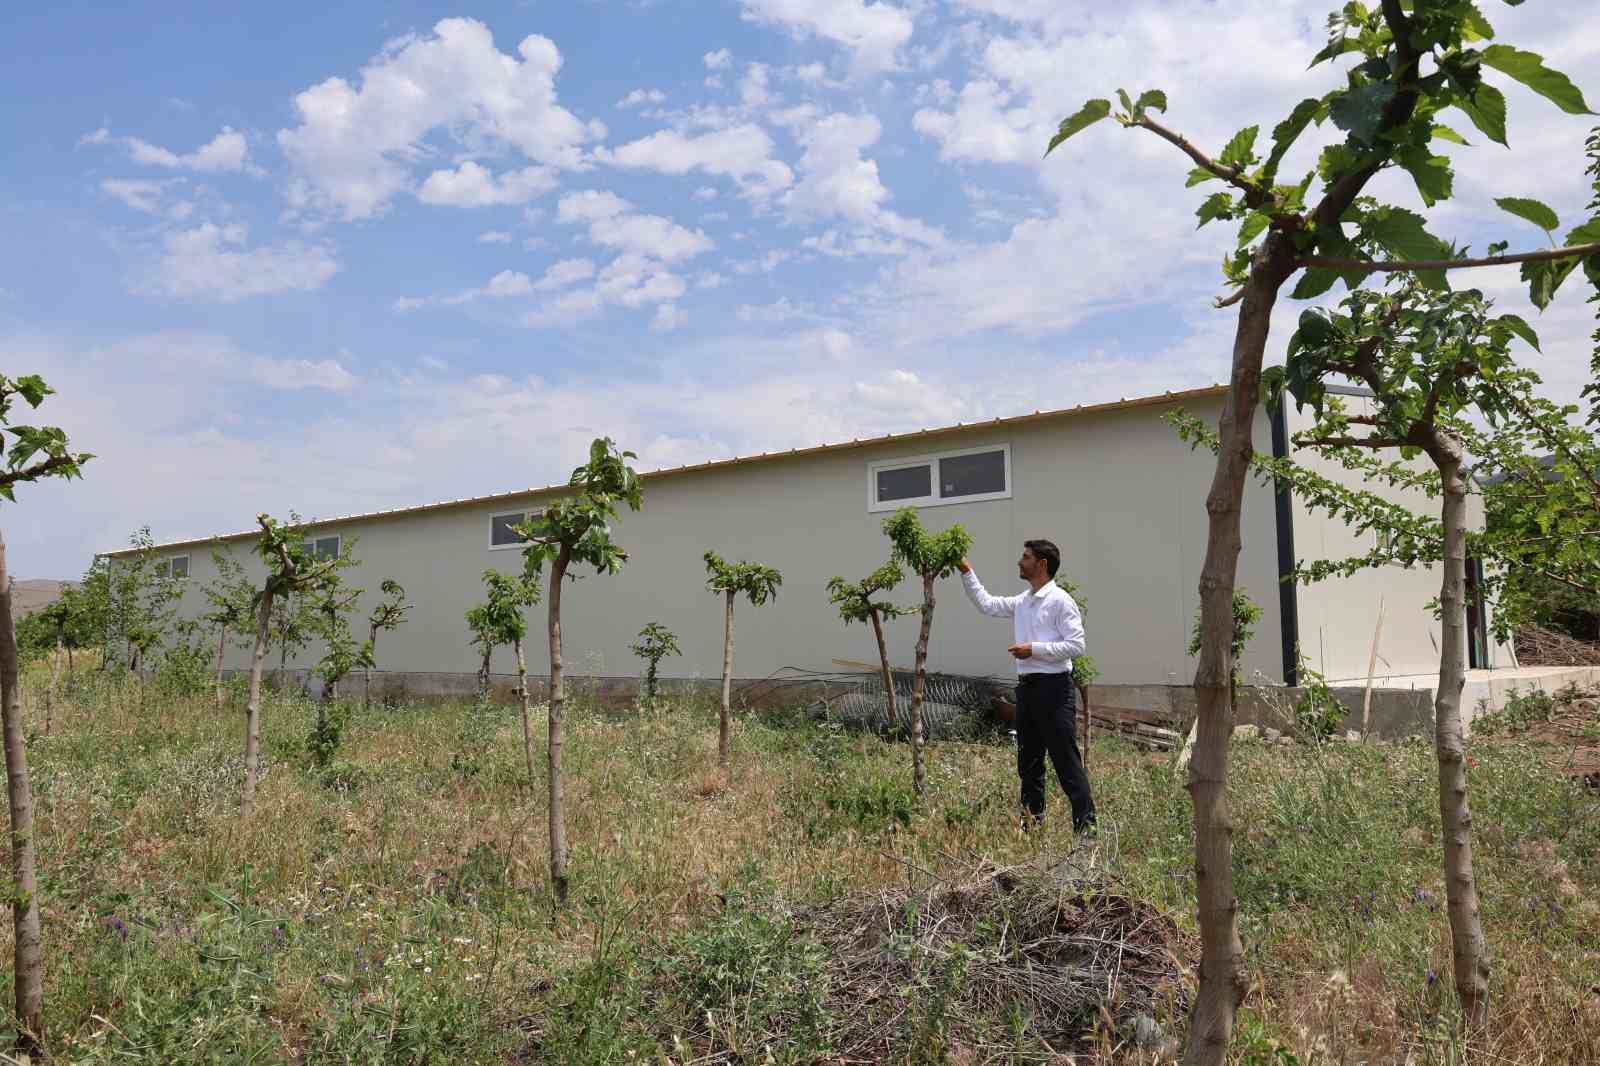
906, 483
500, 529
180, 566
323, 547
972, 475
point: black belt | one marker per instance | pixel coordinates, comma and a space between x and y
1023, 679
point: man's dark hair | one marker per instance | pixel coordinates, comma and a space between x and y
1044, 549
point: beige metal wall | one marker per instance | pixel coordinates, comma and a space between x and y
1338, 618
1121, 495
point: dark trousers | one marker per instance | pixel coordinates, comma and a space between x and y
1047, 714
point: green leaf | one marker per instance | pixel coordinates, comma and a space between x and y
1487, 110
1431, 173
1314, 282
1127, 102
1199, 176
1403, 234
1335, 48
1529, 69
1530, 210
1520, 327
1240, 150
1217, 205
1254, 223
1087, 116
1359, 111
1285, 133
33, 389
1588, 233
1152, 98
1474, 26
1544, 278
1445, 133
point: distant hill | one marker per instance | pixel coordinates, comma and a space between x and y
30, 596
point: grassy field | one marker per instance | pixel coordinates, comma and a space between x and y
394, 907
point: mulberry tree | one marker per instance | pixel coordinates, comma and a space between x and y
759, 584
575, 529
1410, 64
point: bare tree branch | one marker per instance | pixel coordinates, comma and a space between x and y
1254, 195
40, 469
1394, 265
1229, 300
1353, 442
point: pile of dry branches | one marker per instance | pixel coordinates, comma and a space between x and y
1537, 646
1077, 961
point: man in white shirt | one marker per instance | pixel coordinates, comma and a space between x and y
1048, 630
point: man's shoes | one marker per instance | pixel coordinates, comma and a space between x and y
1029, 822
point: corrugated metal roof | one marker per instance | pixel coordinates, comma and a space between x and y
714, 464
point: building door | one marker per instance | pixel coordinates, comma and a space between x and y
1477, 630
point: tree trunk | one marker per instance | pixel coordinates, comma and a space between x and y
483, 672
888, 674
1471, 955
366, 671
50, 693
29, 958
527, 721
919, 683
1222, 962
650, 685
222, 643
252, 710
727, 680
69, 666
558, 699
283, 661
1083, 698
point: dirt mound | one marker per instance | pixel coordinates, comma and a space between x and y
1055, 951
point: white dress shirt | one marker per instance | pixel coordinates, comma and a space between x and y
1048, 620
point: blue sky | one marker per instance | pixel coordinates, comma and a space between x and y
342, 257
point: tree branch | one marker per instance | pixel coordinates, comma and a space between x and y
39, 469
1228, 301
1353, 442
1254, 195
1390, 266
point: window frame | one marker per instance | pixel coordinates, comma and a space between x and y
523, 516
310, 543
931, 460
164, 567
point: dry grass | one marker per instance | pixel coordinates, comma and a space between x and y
396, 909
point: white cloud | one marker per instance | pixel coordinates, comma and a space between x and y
472, 185
754, 90
565, 272
407, 304
981, 127
873, 31
717, 60
743, 152
140, 195
705, 192
667, 318
494, 236
612, 223
837, 181
302, 374
227, 151
709, 280
509, 283
99, 136
355, 147
642, 98
215, 262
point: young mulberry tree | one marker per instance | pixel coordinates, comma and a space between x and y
31, 454
1429, 359
1411, 63
655, 643
759, 584
856, 603
575, 529
499, 619
930, 556
388, 615
292, 568
230, 596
